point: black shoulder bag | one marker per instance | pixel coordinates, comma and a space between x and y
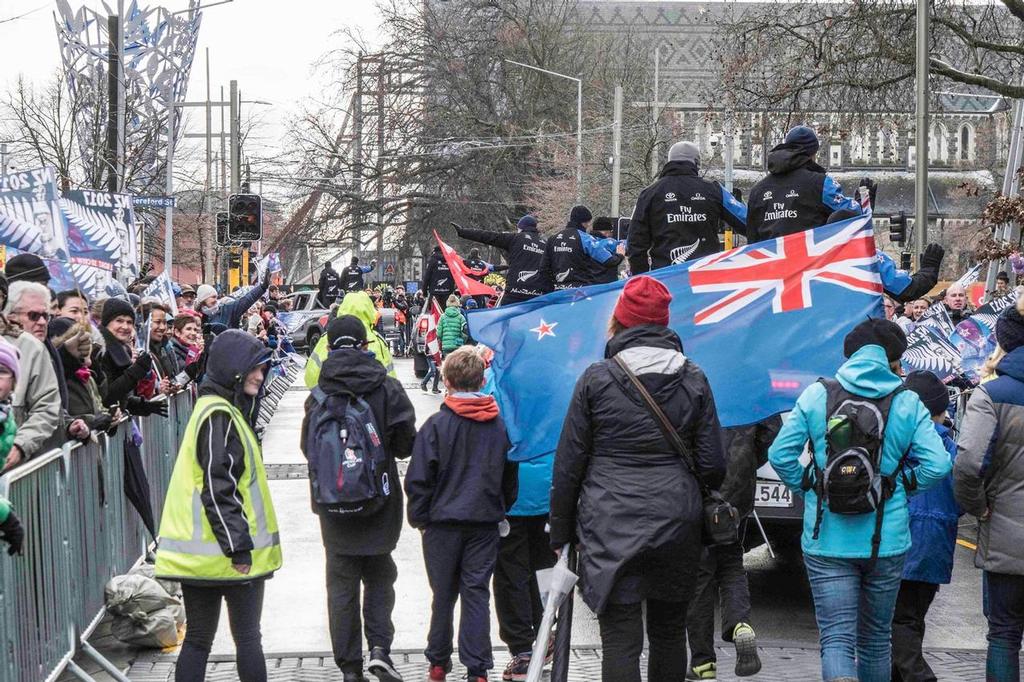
721, 520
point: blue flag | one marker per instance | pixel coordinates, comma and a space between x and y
763, 321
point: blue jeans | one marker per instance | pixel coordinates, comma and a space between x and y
854, 606
433, 372
1005, 613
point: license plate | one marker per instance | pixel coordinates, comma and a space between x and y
772, 495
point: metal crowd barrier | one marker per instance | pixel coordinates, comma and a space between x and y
80, 530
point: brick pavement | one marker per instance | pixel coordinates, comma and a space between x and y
790, 663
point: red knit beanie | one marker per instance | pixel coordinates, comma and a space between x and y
644, 300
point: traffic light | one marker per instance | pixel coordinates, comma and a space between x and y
898, 228
234, 260
246, 219
906, 260
222, 229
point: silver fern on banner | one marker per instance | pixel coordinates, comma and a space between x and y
18, 234
90, 279
98, 228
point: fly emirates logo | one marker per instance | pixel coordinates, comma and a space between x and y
779, 212
687, 216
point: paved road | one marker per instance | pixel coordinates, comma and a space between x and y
295, 618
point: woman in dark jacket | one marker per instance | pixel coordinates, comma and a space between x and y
121, 373
73, 341
623, 494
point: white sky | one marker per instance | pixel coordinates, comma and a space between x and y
268, 46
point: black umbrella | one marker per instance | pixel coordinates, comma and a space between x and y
136, 483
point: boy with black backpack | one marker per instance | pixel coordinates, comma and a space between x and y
460, 487
358, 422
862, 429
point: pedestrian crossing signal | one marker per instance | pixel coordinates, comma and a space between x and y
222, 229
246, 219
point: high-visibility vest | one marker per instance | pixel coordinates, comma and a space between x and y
188, 548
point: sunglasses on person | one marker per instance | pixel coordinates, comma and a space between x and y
35, 315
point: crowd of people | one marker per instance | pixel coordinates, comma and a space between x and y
641, 453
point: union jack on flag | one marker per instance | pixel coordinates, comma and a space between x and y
785, 268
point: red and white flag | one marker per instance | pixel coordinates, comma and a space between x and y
433, 343
466, 285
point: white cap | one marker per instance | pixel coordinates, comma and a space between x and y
205, 291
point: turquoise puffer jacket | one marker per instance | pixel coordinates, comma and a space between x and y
866, 373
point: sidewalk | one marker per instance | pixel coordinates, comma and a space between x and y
791, 663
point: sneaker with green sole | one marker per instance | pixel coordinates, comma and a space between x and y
707, 671
747, 660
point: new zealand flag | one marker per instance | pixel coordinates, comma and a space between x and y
763, 321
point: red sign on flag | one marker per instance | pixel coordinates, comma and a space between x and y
460, 273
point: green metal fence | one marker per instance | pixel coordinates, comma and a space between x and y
80, 531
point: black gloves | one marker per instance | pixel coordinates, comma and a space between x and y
12, 532
146, 408
931, 259
872, 189
141, 367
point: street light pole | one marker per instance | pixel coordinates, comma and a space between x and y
921, 189
169, 207
579, 121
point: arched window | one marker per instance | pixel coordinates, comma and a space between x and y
965, 148
859, 146
938, 143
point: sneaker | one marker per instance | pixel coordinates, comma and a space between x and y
706, 671
517, 668
747, 661
382, 667
438, 673
423, 387
437, 391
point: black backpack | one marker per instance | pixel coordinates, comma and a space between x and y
851, 481
348, 467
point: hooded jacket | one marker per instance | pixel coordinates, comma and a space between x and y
328, 287
619, 488
348, 371
459, 473
678, 218
219, 448
934, 517
569, 254
989, 471
909, 427
451, 329
796, 195
524, 250
357, 303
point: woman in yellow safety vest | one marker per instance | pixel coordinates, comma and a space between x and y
219, 534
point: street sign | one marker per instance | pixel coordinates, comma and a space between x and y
389, 268
154, 201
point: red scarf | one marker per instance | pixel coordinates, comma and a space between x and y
482, 408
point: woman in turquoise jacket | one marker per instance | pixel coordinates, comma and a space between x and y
854, 597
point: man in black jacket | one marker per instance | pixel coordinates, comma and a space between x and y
796, 195
352, 276
328, 286
571, 254
524, 252
359, 549
437, 278
678, 217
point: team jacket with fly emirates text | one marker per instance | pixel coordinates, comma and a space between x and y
678, 218
524, 251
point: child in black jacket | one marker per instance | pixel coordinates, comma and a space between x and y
460, 486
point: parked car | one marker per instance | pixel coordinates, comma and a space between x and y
305, 320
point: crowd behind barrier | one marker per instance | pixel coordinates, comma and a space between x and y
81, 530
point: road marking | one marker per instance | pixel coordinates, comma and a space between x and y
969, 545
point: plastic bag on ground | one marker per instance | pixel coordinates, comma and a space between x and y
144, 614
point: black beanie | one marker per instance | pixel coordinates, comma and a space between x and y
879, 332
580, 215
347, 331
116, 307
930, 390
27, 267
1010, 329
